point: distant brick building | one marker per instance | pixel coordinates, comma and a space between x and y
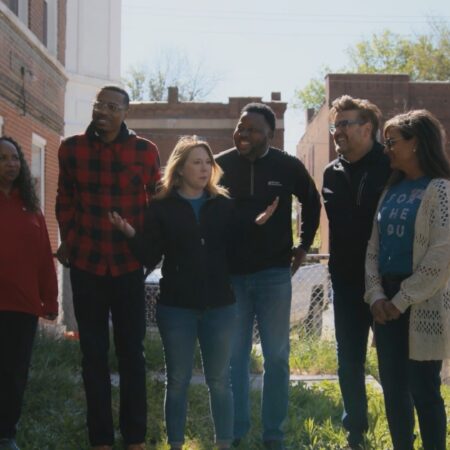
165, 122
32, 88
393, 94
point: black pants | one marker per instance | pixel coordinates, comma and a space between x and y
94, 298
352, 321
17, 331
408, 384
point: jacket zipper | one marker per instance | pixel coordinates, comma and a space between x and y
252, 179
360, 189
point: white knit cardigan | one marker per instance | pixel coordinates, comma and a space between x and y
427, 290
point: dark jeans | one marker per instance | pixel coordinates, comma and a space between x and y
408, 384
17, 331
95, 298
352, 320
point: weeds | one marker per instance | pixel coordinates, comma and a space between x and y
54, 410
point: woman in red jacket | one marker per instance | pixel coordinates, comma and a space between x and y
28, 286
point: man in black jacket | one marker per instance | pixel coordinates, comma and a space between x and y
256, 174
351, 188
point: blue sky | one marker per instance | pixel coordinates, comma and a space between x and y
260, 46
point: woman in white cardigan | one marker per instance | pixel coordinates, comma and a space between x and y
407, 279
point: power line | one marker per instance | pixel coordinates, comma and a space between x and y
230, 14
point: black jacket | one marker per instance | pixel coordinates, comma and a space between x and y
351, 193
254, 186
195, 265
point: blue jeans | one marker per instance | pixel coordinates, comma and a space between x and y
95, 298
352, 321
407, 384
180, 328
266, 296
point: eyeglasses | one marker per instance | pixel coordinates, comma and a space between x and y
344, 124
389, 142
110, 107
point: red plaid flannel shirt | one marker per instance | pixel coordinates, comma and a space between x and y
94, 179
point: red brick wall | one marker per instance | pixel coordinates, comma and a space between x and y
29, 80
314, 151
32, 91
35, 18
219, 138
62, 9
21, 128
393, 94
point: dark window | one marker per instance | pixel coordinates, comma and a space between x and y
45, 25
14, 6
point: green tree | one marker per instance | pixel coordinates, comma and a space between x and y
135, 82
170, 68
425, 57
313, 94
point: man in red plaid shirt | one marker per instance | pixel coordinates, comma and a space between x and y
108, 168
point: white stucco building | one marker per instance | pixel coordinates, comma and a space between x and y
93, 42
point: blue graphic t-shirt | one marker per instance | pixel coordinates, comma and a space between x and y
396, 220
196, 203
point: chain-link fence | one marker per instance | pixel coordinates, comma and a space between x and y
311, 311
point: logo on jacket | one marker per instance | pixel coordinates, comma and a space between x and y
274, 183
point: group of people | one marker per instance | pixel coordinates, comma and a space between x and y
388, 211
222, 228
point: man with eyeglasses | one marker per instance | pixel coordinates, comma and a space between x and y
108, 168
352, 185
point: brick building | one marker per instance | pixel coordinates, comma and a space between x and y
393, 94
32, 88
165, 122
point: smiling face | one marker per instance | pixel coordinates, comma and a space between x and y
108, 113
252, 135
401, 151
195, 172
9, 165
351, 136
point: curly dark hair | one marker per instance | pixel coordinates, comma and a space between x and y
24, 182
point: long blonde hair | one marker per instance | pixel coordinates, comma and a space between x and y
172, 179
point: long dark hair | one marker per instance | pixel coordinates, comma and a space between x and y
24, 182
430, 137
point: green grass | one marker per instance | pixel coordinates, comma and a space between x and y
315, 356
54, 410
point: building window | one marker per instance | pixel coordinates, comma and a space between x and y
50, 38
20, 9
14, 6
45, 24
38, 145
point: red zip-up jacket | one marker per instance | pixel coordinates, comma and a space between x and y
27, 271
